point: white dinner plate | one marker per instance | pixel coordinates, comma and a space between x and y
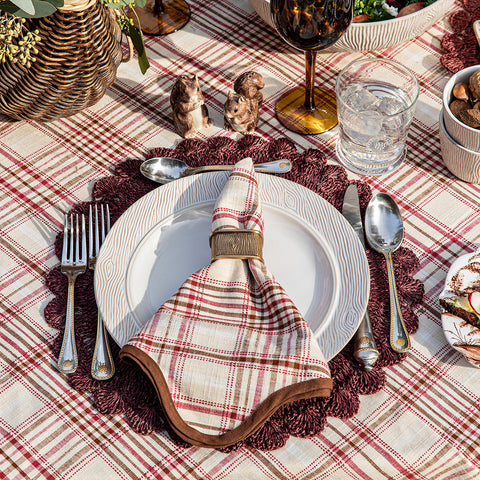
163, 238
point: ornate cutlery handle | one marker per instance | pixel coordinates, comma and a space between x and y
275, 166
68, 360
399, 339
365, 348
102, 362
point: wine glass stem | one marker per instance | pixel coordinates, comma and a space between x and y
310, 57
158, 7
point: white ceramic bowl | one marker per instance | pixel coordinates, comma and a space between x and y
462, 162
466, 136
363, 37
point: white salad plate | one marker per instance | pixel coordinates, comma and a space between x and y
461, 336
162, 239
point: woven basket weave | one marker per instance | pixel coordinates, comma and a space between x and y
77, 60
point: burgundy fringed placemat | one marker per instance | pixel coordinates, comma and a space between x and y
461, 46
130, 393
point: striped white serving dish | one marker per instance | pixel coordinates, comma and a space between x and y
463, 163
363, 37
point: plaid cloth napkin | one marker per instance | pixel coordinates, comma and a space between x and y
229, 348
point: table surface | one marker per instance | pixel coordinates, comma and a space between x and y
424, 424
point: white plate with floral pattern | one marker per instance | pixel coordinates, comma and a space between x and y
462, 336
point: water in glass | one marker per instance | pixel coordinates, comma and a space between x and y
374, 119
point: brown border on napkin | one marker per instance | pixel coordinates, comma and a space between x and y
310, 388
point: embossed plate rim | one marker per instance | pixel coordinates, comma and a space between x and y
136, 222
136, 262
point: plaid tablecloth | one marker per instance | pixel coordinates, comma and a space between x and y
423, 425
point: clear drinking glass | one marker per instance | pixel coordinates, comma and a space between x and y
309, 25
375, 105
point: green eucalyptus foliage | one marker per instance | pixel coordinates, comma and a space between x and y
137, 39
130, 29
30, 8
42, 8
117, 4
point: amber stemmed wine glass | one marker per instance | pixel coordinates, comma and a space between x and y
309, 25
161, 17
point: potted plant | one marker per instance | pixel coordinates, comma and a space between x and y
59, 56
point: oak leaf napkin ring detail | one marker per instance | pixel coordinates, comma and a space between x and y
240, 244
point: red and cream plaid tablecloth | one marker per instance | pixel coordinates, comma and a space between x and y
423, 425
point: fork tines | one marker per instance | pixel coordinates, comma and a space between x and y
74, 263
102, 367
74, 233
97, 230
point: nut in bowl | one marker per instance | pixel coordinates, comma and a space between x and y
461, 107
462, 162
367, 36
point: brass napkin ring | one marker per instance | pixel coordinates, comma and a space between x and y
241, 244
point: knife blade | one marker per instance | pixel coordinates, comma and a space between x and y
365, 349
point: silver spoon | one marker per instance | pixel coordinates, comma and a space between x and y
384, 232
165, 169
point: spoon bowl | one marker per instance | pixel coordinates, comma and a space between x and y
384, 232
163, 169
383, 224
167, 169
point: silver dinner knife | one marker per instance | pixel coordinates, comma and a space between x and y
365, 350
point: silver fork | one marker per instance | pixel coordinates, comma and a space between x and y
102, 362
74, 263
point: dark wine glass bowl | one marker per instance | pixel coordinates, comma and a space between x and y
311, 25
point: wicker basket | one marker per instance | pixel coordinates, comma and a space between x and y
78, 56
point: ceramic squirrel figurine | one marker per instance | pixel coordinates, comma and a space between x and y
249, 85
241, 108
188, 104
